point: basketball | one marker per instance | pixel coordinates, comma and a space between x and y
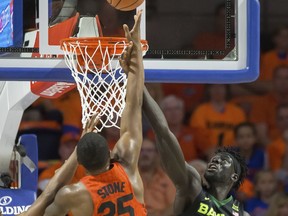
125, 5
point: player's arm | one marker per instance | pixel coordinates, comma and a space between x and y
129, 145
62, 176
65, 201
60, 205
170, 152
127, 149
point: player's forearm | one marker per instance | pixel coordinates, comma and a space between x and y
131, 117
62, 176
167, 145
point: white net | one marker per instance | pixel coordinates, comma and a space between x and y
100, 80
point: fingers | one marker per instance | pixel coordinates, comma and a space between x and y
137, 19
91, 123
127, 32
94, 121
124, 59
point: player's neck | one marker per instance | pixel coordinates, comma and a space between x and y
102, 170
220, 192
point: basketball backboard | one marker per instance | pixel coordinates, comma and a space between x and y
212, 41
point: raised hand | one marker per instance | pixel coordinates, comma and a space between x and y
90, 124
124, 59
134, 34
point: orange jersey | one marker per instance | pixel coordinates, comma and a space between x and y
112, 193
218, 123
264, 111
269, 62
247, 188
159, 193
276, 153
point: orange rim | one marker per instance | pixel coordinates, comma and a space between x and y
109, 42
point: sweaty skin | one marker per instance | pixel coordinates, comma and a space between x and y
127, 149
62, 177
185, 177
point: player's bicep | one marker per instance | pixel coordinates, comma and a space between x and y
60, 205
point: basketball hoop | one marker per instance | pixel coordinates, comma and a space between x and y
100, 80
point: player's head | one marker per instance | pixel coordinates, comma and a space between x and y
227, 167
93, 152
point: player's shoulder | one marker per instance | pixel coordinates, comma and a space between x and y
69, 192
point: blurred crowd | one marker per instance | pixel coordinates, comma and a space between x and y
252, 117
202, 117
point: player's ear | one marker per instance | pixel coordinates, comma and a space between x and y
234, 177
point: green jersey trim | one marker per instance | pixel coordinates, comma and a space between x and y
220, 203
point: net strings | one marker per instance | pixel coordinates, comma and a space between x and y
100, 81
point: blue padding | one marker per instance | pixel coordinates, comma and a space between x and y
29, 180
15, 201
250, 73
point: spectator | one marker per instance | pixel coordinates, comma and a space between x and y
269, 62
264, 107
277, 150
279, 205
67, 145
246, 140
156, 92
191, 94
159, 191
47, 126
71, 117
218, 116
278, 56
189, 139
265, 188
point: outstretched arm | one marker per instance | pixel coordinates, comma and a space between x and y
127, 149
62, 176
167, 144
186, 179
129, 144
